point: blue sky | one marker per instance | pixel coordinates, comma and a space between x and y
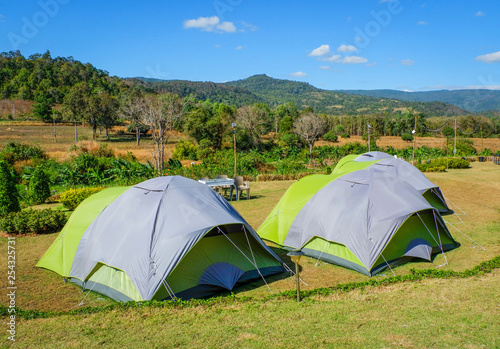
359, 44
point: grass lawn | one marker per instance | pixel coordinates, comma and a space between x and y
430, 313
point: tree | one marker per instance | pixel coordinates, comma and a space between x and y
9, 197
106, 109
309, 127
205, 121
75, 103
39, 188
131, 107
42, 109
252, 119
162, 114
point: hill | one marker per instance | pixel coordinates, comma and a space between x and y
277, 91
264, 89
474, 101
216, 92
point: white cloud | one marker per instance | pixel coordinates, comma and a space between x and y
299, 74
346, 48
352, 60
249, 26
407, 62
320, 51
480, 14
209, 24
227, 27
490, 57
239, 47
422, 23
325, 67
331, 58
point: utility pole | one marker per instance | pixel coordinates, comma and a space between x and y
234, 145
455, 142
369, 130
414, 133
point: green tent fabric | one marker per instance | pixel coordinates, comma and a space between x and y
163, 238
363, 217
61, 253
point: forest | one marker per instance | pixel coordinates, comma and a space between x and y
266, 115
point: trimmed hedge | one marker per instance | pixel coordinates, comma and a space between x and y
440, 165
33, 221
73, 197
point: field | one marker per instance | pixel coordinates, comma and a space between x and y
43, 135
449, 313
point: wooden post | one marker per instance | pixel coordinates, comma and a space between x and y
414, 133
455, 142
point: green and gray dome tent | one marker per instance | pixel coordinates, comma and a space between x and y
165, 237
364, 220
400, 168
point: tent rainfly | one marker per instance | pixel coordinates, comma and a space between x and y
364, 220
163, 238
400, 168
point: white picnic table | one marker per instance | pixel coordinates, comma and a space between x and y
220, 183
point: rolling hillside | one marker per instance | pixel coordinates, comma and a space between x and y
265, 89
474, 101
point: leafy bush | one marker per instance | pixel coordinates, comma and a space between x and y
33, 221
407, 137
330, 136
440, 165
289, 166
17, 151
73, 197
9, 197
96, 149
345, 135
451, 163
430, 168
465, 147
184, 150
39, 188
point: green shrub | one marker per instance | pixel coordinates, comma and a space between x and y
345, 135
330, 136
451, 163
185, 150
17, 151
440, 165
73, 197
407, 137
9, 197
39, 188
33, 221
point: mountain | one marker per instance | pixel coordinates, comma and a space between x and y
276, 91
216, 92
474, 101
264, 89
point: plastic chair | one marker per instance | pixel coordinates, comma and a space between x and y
241, 186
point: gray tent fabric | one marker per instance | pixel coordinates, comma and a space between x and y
221, 274
373, 155
407, 172
157, 222
361, 210
419, 248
